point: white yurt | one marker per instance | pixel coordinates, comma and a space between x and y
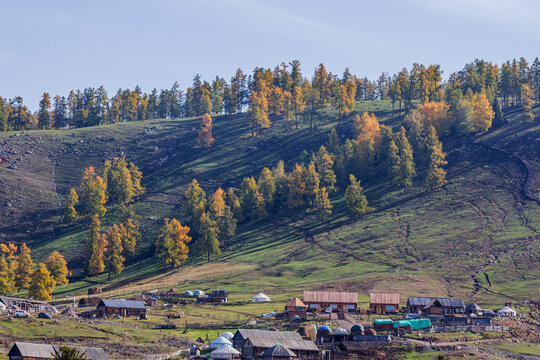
225, 352
220, 341
506, 311
260, 297
227, 335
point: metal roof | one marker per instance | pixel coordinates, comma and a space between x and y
278, 335
31, 350
292, 344
278, 350
121, 303
445, 302
331, 297
218, 293
383, 298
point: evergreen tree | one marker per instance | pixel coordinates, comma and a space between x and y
57, 266
232, 201
136, 176
297, 188
171, 246
113, 255
282, 186
70, 214
333, 143
44, 113
498, 118
194, 203
23, 268
42, 284
406, 162
527, 102
97, 245
326, 173
322, 205
267, 187
357, 203
312, 181
205, 134
68, 353
392, 163
207, 243
253, 202
227, 226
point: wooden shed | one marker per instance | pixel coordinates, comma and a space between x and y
120, 307
384, 303
30, 351
296, 307
317, 301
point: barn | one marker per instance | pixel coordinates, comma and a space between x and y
120, 307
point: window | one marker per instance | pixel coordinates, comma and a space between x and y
333, 306
350, 307
312, 306
389, 307
301, 308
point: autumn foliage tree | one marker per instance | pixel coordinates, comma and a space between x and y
57, 266
70, 214
24, 268
207, 243
205, 134
114, 258
171, 244
42, 284
97, 245
93, 193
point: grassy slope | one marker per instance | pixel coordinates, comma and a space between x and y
438, 243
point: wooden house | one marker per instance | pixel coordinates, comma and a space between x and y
120, 307
296, 307
219, 296
253, 343
416, 305
30, 351
32, 306
317, 301
384, 303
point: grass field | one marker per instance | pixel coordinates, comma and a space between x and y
475, 238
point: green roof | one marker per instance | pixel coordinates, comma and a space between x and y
382, 321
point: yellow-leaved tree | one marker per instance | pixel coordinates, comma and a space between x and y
42, 285
171, 246
205, 134
57, 266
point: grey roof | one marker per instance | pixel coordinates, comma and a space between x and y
121, 303
249, 333
473, 307
295, 345
445, 302
46, 351
278, 351
218, 293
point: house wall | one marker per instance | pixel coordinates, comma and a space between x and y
321, 306
384, 308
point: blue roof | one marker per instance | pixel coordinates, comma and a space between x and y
121, 303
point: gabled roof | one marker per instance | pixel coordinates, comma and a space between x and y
278, 350
292, 344
383, 298
277, 335
446, 302
331, 297
296, 302
121, 303
46, 351
218, 293
473, 307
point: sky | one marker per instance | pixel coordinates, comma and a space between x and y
56, 46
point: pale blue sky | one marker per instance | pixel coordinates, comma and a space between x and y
56, 46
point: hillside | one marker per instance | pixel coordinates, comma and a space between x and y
477, 237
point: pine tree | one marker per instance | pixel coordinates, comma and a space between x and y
527, 102
23, 268
207, 243
312, 181
259, 111
357, 203
42, 284
194, 202
70, 214
233, 202
326, 173
253, 203
136, 176
171, 246
44, 113
267, 187
498, 118
205, 134
406, 162
322, 205
93, 193
97, 245
227, 226
333, 143
113, 255
57, 266
68, 353
297, 188
282, 185
392, 163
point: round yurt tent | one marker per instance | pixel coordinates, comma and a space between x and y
357, 329
227, 335
225, 352
506, 311
188, 293
341, 331
260, 297
220, 341
198, 293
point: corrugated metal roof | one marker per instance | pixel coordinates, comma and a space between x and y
278, 351
295, 345
383, 298
46, 351
219, 293
249, 333
446, 302
331, 297
121, 303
